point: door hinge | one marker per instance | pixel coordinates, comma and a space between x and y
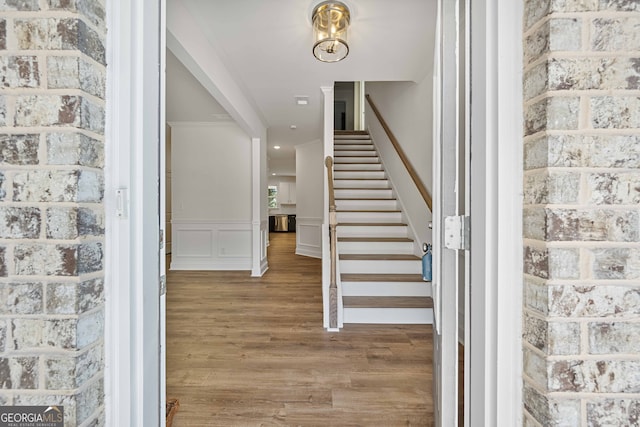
456, 232
163, 285
161, 238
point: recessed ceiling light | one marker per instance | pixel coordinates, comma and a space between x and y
273, 173
277, 147
302, 100
294, 127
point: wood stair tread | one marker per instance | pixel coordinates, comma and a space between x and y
387, 302
350, 132
376, 224
379, 257
360, 179
368, 211
350, 277
375, 239
365, 199
362, 188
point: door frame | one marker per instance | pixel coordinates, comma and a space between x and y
132, 366
493, 345
447, 186
134, 126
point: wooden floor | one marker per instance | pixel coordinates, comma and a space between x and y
244, 351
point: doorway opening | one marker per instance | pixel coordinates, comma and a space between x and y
348, 106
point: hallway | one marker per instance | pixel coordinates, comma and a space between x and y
245, 351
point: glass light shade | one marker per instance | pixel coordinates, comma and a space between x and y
330, 24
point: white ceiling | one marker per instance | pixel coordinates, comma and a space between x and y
266, 45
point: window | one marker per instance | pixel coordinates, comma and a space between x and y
273, 196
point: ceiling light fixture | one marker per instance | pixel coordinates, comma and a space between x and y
276, 147
330, 23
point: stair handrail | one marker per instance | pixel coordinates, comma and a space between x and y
333, 244
405, 160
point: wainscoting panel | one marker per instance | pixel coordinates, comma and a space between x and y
234, 243
309, 237
194, 243
211, 245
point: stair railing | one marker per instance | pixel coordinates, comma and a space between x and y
333, 246
405, 160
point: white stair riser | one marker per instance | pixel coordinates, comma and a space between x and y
386, 289
357, 167
339, 160
359, 175
359, 180
376, 248
370, 217
371, 231
363, 194
361, 183
348, 266
339, 139
409, 316
349, 205
352, 146
354, 153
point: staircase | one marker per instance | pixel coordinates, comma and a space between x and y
380, 273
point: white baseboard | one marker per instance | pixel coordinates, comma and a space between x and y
309, 252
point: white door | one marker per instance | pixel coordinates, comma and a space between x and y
448, 181
162, 166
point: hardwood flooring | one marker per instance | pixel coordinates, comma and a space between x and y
245, 351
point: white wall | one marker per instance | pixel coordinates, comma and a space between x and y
309, 198
407, 107
211, 197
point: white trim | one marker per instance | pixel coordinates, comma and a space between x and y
118, 386
258, 243
496, 213
132, 372
197, 265
445, 196
162, 194
510, 155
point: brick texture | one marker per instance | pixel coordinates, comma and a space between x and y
581, 220
52, 121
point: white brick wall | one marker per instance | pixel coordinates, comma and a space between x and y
582, 215
52, 89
